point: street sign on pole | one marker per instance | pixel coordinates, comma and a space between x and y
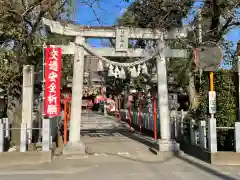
212, 102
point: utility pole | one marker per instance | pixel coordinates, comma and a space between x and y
238, 70
212, 133
199, 26
202, 131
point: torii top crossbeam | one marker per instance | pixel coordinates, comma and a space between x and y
122, 35
110, 32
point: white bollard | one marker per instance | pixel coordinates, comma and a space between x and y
1, 137
7, 126
237, 136
126, 115
46, 141
182, 122
202, 134
23, 140
2, 122
212, 135
172, 120
192, 132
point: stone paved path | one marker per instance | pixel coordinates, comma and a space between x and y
116, 168
105, 135
113, 153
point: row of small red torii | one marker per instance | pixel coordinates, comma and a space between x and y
140, 116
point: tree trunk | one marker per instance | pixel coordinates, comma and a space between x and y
193, 98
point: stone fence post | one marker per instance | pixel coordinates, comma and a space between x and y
183, 114
192, 132
202, 134
23, 140
1, 137
6, 127
46, 137
237, 136
212, 135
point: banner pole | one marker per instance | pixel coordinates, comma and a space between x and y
65, 122
43, 80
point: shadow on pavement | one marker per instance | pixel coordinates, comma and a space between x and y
203, 166
153, 145
123, 130
191, 162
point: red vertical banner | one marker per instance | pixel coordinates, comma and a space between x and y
52, 76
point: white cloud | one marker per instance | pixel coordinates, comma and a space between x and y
122, 11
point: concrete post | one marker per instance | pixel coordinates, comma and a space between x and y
238, 70
181, 123
105, 104
192, 132
212, 135
105, 109
23, 140
237, 126
27, 98
174, 125
2, 121
165, 125
46, 141
7, 126
165, 143
75, 146
202, 134
237, 136
1, 137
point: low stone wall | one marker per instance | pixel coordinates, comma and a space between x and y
196, 151
225, 158
218, 158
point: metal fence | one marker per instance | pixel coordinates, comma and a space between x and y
25, 136
207, 135
204, 134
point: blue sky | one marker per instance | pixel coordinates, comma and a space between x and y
234, 35
107, 13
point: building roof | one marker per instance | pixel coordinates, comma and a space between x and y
91, 69
91, 63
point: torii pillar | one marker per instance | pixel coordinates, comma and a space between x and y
166, 144
75, 145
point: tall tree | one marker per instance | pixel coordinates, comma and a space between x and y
21, 38
219, 17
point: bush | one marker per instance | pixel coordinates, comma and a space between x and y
227, 104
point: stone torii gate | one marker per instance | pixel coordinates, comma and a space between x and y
79, 49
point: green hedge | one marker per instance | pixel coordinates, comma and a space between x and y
226, 87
